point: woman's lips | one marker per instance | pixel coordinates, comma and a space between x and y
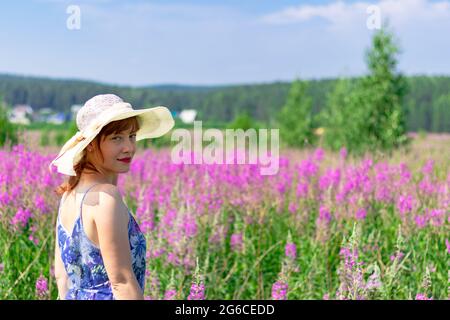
125, 160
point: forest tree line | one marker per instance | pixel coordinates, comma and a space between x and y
426, 104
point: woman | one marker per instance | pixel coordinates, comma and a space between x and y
100, 250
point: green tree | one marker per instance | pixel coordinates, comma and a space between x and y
369, 115
383, 94
295, 118
243, 121
441, 114
8, 131
335, 115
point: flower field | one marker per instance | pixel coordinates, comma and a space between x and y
327, 226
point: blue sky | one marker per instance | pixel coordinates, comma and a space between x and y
201, 42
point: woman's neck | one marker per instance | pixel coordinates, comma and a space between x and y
90, 179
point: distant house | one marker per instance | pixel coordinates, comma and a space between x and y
21, 114
43, 114
188, 115
57, 118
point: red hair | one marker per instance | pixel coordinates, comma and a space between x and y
111, 128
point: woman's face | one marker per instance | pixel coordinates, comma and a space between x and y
116, 146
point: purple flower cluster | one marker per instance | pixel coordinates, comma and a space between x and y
290, 250
41, 287
405, 204
352, 285
21, 217
197, 291
170, 294
421, 296
236, 241
324, 215
434, 217
279, 290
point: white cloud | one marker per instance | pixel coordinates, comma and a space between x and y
399, 13
331, 12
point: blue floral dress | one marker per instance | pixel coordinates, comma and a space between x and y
84, 263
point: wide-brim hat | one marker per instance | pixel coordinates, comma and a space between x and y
99, 111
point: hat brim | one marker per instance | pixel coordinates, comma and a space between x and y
153, 122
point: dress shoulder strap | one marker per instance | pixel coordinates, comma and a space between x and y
82, 199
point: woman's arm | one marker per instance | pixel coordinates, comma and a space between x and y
61, 276
112, 228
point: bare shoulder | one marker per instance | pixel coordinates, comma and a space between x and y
110, 202
109, 191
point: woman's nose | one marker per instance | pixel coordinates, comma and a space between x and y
130, 145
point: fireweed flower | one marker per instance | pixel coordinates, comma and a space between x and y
327, 180
16, 191
405, 175
21, 218
39, 203
33, 239
173, 258
236, 241
319, 153
41, 287
169, 217
421, 221
293, 207
427, 169
307, 169
32, 236
197, 291
279, 290
447, 243
398, 255
421, 296
352, 285
190, 226
351, 275
405, 204
436, 217
361, 214
322, 224
374, 282
170, 294
291, 250
198, 287
427, 186
383, 194
302, 190
4, 199
324, 215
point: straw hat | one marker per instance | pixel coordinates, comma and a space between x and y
96, 113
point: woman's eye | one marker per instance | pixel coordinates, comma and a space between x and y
133, 136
